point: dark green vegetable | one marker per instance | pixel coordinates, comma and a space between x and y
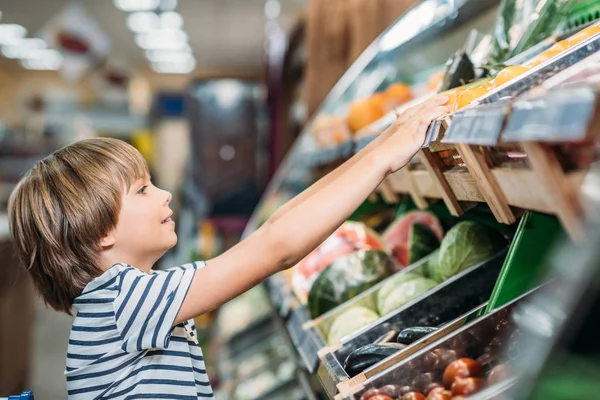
423, 242
345, 278
369, 355
465, 245
459, 71
411, 335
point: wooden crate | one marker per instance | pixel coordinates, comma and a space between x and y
544, 186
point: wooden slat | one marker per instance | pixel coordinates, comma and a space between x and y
475, 160
463, 186
399, 182
347, 387
424, 183
561, 194
387, 192
435, 167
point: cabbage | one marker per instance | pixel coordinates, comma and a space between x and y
392, 283
432, 266
465, 245
404, 293
349, 322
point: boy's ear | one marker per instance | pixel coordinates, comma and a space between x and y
108, 240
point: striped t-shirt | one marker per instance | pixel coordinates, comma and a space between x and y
123, 344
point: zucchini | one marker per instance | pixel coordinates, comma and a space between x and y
411, 335
369, 355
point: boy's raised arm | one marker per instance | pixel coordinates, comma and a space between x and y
321, 183
283, 242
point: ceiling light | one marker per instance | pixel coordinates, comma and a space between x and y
22, 48
43, 59
137, 5
143, 21
162, 44
158, 56
166, 34
162, 40
171, 20
272, 9
11, 31
175, 68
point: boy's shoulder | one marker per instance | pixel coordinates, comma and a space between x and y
110, 279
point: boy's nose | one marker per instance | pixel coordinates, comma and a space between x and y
169, 197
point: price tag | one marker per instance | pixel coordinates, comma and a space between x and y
558, 116
481, 125
433, 132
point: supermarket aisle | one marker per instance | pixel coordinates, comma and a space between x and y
51, 336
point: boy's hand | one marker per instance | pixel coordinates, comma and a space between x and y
407, 134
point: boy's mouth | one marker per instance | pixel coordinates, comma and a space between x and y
168, 219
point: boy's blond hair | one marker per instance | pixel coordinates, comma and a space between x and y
64, 206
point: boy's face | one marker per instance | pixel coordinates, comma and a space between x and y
145, 230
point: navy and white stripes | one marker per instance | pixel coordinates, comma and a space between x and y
123, 343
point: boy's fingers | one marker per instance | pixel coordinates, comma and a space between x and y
429, 115
411, 112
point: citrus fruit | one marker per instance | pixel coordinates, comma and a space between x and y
508, 74
466, 97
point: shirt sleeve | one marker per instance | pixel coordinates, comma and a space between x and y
147, 305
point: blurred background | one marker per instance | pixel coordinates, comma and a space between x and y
238, 105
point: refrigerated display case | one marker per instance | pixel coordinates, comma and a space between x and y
516, 158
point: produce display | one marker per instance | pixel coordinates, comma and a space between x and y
346, 277
413, 236
463, 96
462, 366
350, 237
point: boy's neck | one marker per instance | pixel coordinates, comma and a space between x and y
111, 257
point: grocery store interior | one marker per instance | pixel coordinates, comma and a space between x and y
472, 271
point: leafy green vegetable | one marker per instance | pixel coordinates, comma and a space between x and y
392, 283
465, 245
346, 277
349, 322
404, 293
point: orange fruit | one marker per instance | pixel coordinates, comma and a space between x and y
560, 46
380, 100
543, 57
489, 85
363, 113
452, 96
508, 74
435, 80
583, 35
467, 96
399, 93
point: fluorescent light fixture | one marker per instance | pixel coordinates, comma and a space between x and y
23, 48
143, 21
272, 9
137, 5
43, 59
171, 20
166, 56
162, 39
9, 32
175, 67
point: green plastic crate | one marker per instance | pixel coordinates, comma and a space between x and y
526, 258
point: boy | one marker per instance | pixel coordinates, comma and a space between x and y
89, 224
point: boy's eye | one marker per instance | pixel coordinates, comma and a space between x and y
143, 189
